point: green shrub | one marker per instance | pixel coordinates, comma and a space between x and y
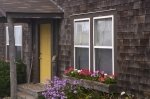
21, 72
41, 97
4, 79
5, 76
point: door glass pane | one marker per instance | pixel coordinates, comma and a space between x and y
81, 33
82, 58
103, 60
103, 32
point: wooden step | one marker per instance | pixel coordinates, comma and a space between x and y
31, 89
21, 95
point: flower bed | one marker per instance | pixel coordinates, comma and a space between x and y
92, 80
59, 88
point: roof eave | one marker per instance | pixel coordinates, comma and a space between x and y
57, 15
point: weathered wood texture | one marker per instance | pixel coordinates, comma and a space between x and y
28, 6
27, 47
12, 57
35, 49
132, 36
2, 40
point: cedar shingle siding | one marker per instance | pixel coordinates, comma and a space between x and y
2, 41
132, 35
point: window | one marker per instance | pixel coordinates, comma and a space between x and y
18, 42
103, 45
81, 43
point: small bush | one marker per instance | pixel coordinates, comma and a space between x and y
4, 79
21, 72
41, 97
5, 76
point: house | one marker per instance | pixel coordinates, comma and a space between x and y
110, 35
117, 40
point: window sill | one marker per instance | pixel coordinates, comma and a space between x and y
108, 88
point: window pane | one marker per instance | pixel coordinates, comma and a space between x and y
18, 52
103, 32
82, 58
18, 35
7, 55
7, 36
103, 60
81, 33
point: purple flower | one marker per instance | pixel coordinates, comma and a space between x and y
75, 82
58, 88
55, 88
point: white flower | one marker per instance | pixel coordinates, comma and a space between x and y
75, 69
111, 77
123, 93
72, 72
105, 74
79, 71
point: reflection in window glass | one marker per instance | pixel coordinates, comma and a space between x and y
82, 58
103, 60
81, 33
103, 32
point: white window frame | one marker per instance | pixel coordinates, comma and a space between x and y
7, 40
104, 47
82, 46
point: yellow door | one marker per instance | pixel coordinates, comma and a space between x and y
45, 52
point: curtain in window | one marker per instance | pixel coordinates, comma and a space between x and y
81, 30
103, 32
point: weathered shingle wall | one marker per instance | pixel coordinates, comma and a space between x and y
133, 48
132, 35
2, 41
27, 46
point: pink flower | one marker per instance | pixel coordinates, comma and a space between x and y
69, 69
85, 72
